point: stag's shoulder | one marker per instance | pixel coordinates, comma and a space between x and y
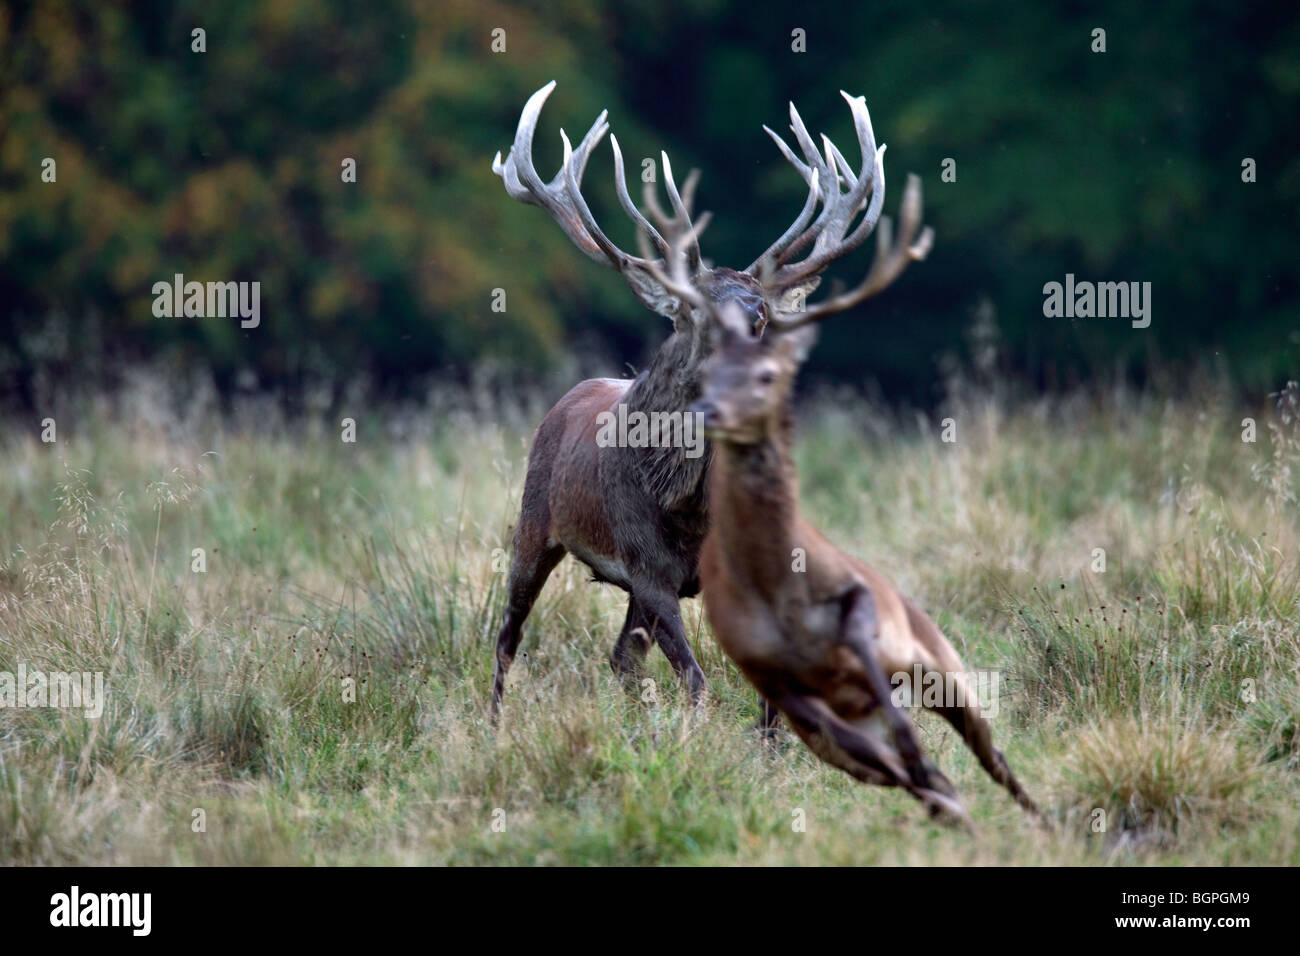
593, 393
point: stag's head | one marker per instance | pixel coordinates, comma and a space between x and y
671, 277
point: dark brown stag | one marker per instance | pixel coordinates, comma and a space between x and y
818, 632
636, 515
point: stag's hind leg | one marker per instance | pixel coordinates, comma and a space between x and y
968, 721
649, 621
532, 563
769, 718
632, 646
664, 613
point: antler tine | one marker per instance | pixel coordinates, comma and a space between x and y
688, 189
562, 196
615, 255
679, 223
828, 176
594, 135
891, 259
846, 171
827, 233
620, 184
810, 176
520, 159
802, 137
681, 210
830, 242
804, 170
764, 264
838, 209
674, 273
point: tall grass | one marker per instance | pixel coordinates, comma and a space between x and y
1161, 691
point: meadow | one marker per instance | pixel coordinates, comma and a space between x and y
1151, 707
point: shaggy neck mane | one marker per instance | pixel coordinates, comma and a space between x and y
670, 384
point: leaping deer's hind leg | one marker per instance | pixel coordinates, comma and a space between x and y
974, 729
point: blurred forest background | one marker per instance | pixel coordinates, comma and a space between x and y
225, 165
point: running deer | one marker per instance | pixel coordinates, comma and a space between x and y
636, 515
815, 630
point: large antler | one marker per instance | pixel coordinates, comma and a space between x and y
830, 238
674, 272
562, 198
891, 259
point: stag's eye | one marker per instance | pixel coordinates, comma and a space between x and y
766, 377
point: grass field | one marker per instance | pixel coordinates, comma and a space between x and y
1163, 691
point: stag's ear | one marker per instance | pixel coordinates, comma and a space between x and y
794, 345
651, 293
795, 298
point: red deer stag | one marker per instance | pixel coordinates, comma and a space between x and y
817, 638
636, 515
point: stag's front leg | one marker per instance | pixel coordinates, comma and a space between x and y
633, 643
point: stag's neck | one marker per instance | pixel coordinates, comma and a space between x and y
673, 475
754, 512
673, 379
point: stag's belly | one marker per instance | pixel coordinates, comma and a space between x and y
605, 569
